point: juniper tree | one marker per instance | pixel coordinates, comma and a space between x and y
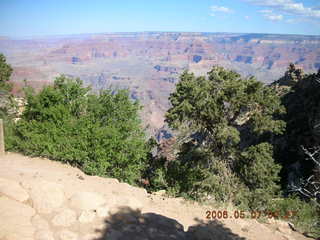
230, 121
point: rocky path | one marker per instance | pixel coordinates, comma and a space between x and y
46, 200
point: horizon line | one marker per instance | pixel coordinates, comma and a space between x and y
150, 32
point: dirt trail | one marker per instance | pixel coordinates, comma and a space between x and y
46, 200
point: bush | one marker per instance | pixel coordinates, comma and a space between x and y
100, 134
305, 216
260, 174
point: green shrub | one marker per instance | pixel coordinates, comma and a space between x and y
188, 176
101, 134
260, 174
305, 216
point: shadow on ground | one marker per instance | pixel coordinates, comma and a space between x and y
128, 224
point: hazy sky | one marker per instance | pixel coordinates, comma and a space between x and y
50, 17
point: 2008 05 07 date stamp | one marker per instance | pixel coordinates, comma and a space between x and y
237, 214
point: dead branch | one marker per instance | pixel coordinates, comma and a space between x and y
310, 188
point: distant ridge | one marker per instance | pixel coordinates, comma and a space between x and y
150, 33
149, 63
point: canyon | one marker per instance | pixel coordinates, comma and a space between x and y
148, 64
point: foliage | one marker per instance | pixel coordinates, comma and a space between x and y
302, 102
5, 87
291, 77
260, 174
5, 73
98, 133
305, 216
225, 123
220, 100
220, 108
228, 130
301, 98
303, 111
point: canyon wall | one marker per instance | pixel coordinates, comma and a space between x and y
149, 63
